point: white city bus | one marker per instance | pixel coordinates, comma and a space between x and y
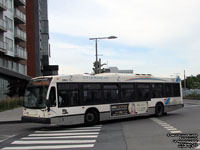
77, 99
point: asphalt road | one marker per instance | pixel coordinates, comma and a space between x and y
145, 133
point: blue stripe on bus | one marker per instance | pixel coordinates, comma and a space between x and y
167, 101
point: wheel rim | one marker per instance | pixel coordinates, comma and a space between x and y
90, 117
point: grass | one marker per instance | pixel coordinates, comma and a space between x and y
193, 96
11, 103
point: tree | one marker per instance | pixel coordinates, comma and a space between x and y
16, 87
99, 67
193, 82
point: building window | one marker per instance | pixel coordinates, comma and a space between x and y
9, 24
22, 69
5, 63
1, 62
3, 88
9, 65
9, 5
9, 44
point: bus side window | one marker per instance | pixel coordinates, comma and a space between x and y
168, 90
111, 93
127, 92
143, 90
157, 90
52, 97
176, 89
68, 94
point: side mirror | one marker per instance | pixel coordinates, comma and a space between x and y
48, 105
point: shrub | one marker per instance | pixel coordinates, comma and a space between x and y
192, 96
10, 103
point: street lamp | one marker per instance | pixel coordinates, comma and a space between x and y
99, 38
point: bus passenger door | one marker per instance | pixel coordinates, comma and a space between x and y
51, 102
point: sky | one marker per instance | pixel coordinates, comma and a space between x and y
158, 37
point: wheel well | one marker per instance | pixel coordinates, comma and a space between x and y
93, 109
161, 104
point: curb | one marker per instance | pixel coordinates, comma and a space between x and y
10, 122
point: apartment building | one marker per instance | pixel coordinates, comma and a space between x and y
38, 46
13, 53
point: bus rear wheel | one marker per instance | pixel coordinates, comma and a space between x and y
159, 110
91, 117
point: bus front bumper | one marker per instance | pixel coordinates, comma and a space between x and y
35, 120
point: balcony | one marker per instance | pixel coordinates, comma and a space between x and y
20, 2
20, 17
20, 52
3, 47
3, 5
3, 27
20, 35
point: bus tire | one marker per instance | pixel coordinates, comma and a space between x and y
91, 117
159, 110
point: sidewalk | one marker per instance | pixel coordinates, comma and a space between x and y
13, 115
191, 101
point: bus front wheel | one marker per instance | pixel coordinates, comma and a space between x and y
91, 117
159, 110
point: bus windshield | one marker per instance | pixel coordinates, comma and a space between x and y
36, 92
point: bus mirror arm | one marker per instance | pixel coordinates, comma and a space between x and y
48, 105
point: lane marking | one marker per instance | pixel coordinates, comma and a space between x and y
176, 131
2, 140
56, 142
84, 137
81, 128
197, 147
166, 126
94, 127
67, 131
6, 137
49, 147
172, 129
164, 123
64, 134
59, 137
169, 127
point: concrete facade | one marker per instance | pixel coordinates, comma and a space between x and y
13, 54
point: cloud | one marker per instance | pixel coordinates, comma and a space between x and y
166, 32
140, 22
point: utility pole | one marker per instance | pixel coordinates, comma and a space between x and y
184, 80
97, 63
